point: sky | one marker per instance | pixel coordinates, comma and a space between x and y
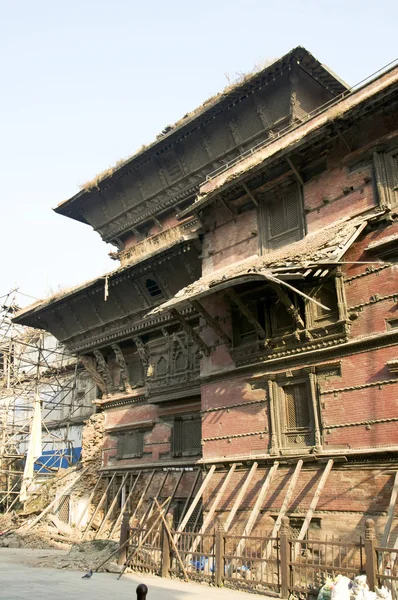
87, 82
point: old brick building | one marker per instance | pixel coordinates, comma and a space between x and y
253, 318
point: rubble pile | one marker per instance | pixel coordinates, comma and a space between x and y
343, 588
87, 555
50, 531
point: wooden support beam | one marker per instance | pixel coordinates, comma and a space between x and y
211, 322
112, 506
125, 505
250, 194
148, 514
285, 506
141, 500
212, 510
172, 542
270, 277
91, 496
190, 331
291, 309
314, 502
229, 209
140, 542
390, 513
240, 496
173, 493
343, 139
100, 503
157, 222
195, 501
256, 508
233, 297
189, 497
53, 502
295, 171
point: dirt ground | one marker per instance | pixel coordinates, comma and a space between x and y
22, 577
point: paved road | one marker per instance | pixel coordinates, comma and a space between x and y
21, 582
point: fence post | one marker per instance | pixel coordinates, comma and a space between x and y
219, 543
284, 533
166, 562
370, 554
124, 536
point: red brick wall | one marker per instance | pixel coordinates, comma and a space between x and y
229, 239
347, 490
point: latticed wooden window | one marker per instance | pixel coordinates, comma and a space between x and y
186, 436
63, 512
386, 172
297, 415
130, 444
281, 218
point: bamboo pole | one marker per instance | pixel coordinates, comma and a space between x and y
240, 496
257, 507
127, 500
80, 519
195, 501
112, 506
212, 510
98, 507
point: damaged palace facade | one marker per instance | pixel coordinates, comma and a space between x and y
253, 318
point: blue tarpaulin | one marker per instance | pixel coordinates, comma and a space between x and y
57, 459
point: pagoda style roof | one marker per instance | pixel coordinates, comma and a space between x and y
209, 110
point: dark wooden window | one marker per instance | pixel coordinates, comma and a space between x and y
244, 331
135, 370
281, 218
2, 374
297, 429
153, 289
269, 312
186, 437
180, 362
130, 444
326, 295
161, 367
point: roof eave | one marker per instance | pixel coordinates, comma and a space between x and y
63, 207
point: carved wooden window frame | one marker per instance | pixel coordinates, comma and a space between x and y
278, 432
385, 166
313, 319
177, 435
121, 437
267, 241
265, 315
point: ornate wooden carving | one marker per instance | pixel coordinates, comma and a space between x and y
103, 369
232, 296
142, 351
291, 309
124, 373
212, 323
190, 331
91, 367
94, 307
